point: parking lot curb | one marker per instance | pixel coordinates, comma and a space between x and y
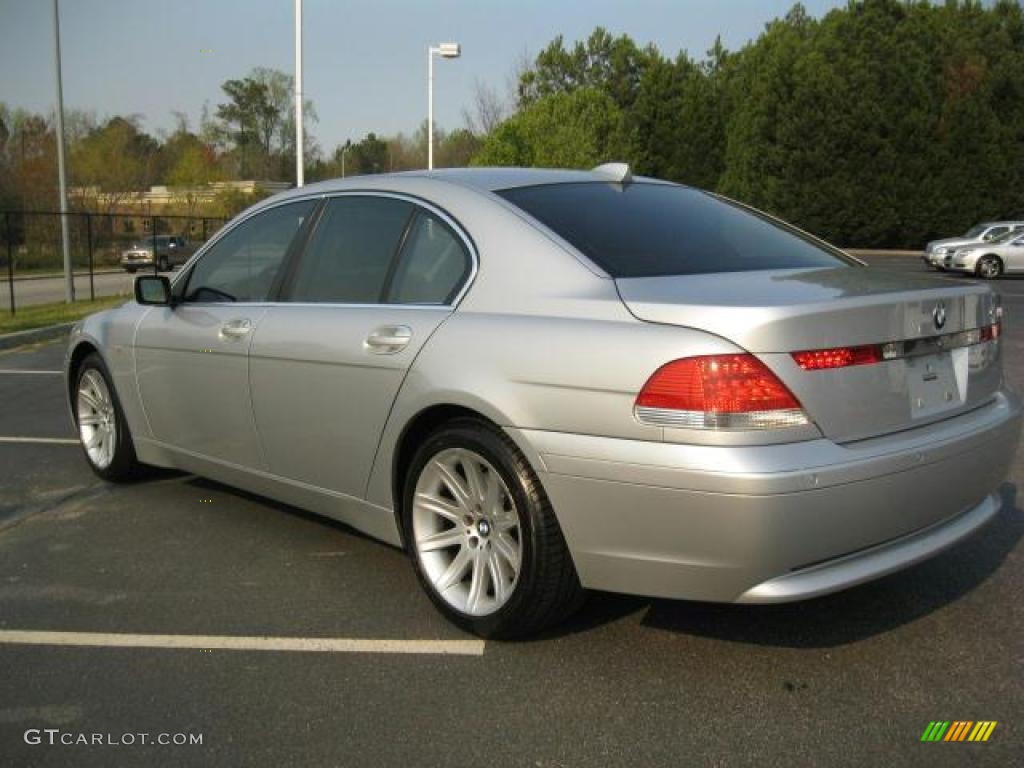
20, 338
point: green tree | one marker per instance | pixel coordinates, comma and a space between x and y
457, 148
117, 160
193, 168
29, 163
577, 129
256, 124
614, 65
677, 123
368, 156
883, 124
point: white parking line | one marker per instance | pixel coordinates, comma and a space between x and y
240, 643
25, 370
43, 440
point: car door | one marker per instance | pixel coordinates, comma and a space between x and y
1014, 258
191, 358
379, 274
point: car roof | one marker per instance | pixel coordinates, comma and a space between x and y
481, 179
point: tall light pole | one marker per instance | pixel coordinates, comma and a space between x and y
445, 51
344, 149
65, 238
299, 161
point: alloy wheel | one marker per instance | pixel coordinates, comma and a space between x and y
97, 419
466, 532
989, 268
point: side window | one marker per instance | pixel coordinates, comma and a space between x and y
349, 255
995, 232
433, 265
242, 265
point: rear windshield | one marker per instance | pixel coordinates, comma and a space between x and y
645, 230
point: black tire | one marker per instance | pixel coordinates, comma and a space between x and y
548, 589
989, 267
130, 270
124, 465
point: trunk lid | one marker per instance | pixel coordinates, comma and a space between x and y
773, 313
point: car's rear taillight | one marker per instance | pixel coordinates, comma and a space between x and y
838, 357
991, 332
728, 392
845, 357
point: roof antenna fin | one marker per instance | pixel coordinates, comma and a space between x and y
617, 172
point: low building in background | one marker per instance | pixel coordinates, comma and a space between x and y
135, 210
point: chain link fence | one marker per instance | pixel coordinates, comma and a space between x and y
32, 260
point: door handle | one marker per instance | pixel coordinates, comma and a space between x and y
388, 339
233, 330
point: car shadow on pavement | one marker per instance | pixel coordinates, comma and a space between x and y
833, 620
203, 483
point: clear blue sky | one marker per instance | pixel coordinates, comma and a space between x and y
365, 60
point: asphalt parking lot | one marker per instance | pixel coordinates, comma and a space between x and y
848, 679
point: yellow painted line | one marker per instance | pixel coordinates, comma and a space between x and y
242, 643
977, 730
988, 731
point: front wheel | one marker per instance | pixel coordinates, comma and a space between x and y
989, 267
102, 429
482, 535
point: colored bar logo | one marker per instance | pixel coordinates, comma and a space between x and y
958, 730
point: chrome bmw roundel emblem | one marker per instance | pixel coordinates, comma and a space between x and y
939, 315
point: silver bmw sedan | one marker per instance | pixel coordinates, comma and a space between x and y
544, 382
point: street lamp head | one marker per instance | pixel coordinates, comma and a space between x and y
449, 50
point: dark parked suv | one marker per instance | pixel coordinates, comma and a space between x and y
171, 251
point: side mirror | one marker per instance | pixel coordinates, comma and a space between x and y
153, 290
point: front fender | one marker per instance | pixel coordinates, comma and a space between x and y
112, 334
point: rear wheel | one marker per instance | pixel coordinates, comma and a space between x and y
989, 267
102, 429
482, 535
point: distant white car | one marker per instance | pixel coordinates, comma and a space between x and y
990, 260
935, 252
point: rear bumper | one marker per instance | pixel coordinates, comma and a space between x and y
771, 523
843, 572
